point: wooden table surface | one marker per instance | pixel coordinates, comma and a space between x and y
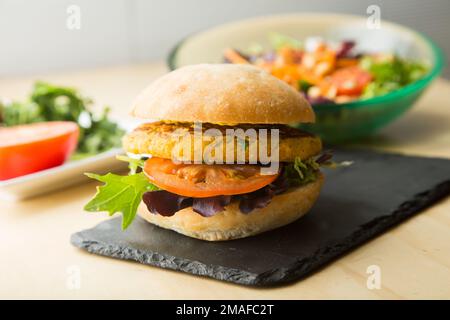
39, 262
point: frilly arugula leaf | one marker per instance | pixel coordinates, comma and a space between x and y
119, 194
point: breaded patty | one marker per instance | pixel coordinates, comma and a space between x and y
162, 139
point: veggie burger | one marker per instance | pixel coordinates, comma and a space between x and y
216, 159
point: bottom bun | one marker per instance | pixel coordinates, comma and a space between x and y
232, 223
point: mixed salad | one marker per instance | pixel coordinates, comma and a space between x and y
47, 102
330, 73
54, 124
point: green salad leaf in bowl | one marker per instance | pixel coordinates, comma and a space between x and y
391, 74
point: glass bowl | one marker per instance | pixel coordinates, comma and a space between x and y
334, 123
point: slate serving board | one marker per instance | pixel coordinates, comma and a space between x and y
357, 203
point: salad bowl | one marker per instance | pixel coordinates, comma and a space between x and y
337, 122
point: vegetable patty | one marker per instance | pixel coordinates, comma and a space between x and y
159, 139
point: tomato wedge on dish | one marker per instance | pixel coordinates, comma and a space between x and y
350, 81
201, 180
33, 147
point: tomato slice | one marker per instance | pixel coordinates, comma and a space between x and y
350, 81
33, 147
201, 180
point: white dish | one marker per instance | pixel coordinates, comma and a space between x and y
67, 174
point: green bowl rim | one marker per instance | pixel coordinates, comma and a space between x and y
412, 87
170, 60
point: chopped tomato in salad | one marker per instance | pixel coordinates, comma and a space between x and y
348, 81
327, 73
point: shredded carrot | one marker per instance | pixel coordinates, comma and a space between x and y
234, 57
346, 62
318, 69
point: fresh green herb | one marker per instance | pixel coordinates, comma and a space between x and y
119, 194
52, 103
15, 113
304, 85
390, 74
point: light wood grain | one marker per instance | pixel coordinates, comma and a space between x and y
34, 235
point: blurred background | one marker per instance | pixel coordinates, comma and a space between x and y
36, 40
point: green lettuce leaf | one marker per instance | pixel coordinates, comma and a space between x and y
390, 74
301, 172
119, 194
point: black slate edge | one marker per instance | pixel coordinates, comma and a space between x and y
164, 261
278, 276
367, 231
